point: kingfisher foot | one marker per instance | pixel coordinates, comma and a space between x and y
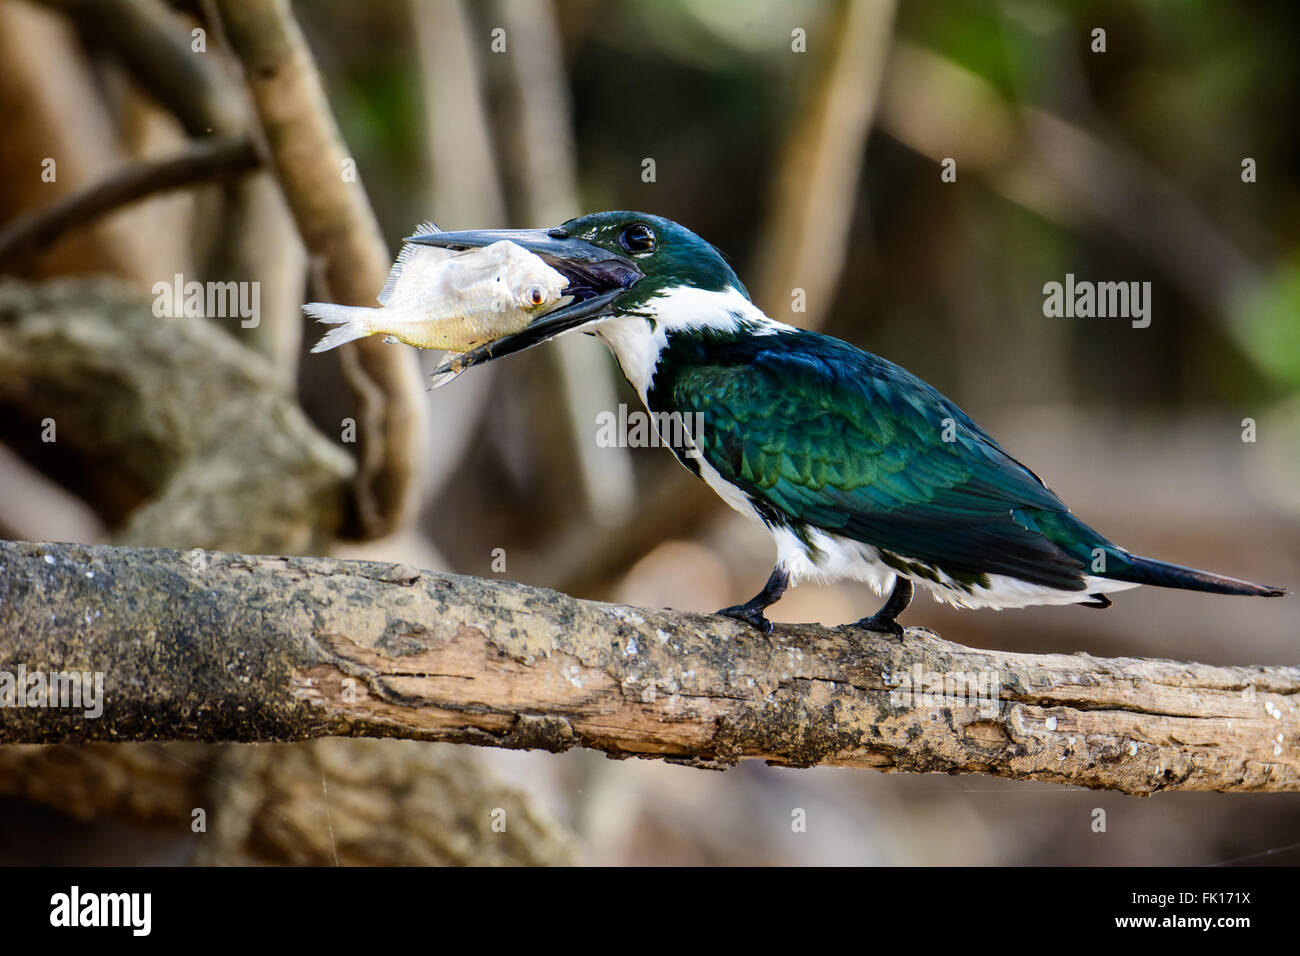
878, 622
886, 619
751, 614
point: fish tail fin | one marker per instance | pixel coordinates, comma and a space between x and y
351, 321
1165, 575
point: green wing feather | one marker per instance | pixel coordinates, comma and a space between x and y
849, 443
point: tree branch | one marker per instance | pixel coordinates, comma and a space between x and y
338, 226
408, 804
154, 43
228, 647
203, 161
815, 188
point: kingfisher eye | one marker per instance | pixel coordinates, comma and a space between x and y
637, 238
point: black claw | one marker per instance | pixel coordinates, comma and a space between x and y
881, 624
884, 620
751, 615
751, 612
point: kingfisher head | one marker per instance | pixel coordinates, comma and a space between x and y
640, 272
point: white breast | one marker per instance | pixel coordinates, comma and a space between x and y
636, 347
636, 342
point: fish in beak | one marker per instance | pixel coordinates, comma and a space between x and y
596, 278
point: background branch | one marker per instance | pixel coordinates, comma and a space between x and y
812, 194
338, 226
154, 43
238, 647
169, 428
398, 803
203, 161
1062, 171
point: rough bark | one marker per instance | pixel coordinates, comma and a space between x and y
211, 646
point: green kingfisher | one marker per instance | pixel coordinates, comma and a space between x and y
859, 469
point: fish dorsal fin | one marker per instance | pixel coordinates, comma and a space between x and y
403, 257
395, 272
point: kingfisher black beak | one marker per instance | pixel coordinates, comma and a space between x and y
596, 278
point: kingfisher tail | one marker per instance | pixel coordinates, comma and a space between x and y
1164, 575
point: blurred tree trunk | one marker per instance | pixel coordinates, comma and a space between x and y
805, 244
338, 226
59, 139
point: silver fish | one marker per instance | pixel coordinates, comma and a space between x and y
445, 299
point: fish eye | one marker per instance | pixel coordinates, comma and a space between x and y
536, 295
637, 238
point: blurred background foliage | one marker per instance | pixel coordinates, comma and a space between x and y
821, 170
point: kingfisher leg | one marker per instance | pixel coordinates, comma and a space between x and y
751, 612
886, 618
